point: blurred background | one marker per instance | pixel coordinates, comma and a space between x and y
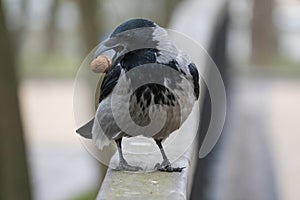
43, 43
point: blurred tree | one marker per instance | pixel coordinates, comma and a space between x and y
264, 44
161, 12
91, 26
170, 6
14, 181
51, 28
19, 32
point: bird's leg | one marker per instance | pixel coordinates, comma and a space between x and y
165, 166
123, 165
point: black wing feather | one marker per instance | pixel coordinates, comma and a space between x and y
195, 74
110, 81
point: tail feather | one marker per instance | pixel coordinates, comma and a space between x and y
86, 130
92, 130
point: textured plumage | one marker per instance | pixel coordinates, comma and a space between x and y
173, 91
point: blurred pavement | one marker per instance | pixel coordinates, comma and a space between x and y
266, 111
284, 135
59, 165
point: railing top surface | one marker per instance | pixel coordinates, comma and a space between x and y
150, 185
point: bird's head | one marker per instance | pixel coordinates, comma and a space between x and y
132, 35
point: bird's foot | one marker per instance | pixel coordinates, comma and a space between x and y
165, 166
124, 166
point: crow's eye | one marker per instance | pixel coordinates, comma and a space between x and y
119, 48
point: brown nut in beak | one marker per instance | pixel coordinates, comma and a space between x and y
101, 64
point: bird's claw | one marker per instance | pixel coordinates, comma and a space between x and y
167, 168
124, 166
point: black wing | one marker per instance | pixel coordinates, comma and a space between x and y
110, 81
195, 74
108, 84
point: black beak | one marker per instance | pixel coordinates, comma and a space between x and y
106, 47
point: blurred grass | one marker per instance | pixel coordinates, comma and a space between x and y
286, 66
59, 66
54, 66
279, 66
89, 195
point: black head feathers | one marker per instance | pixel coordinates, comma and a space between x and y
133, 24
